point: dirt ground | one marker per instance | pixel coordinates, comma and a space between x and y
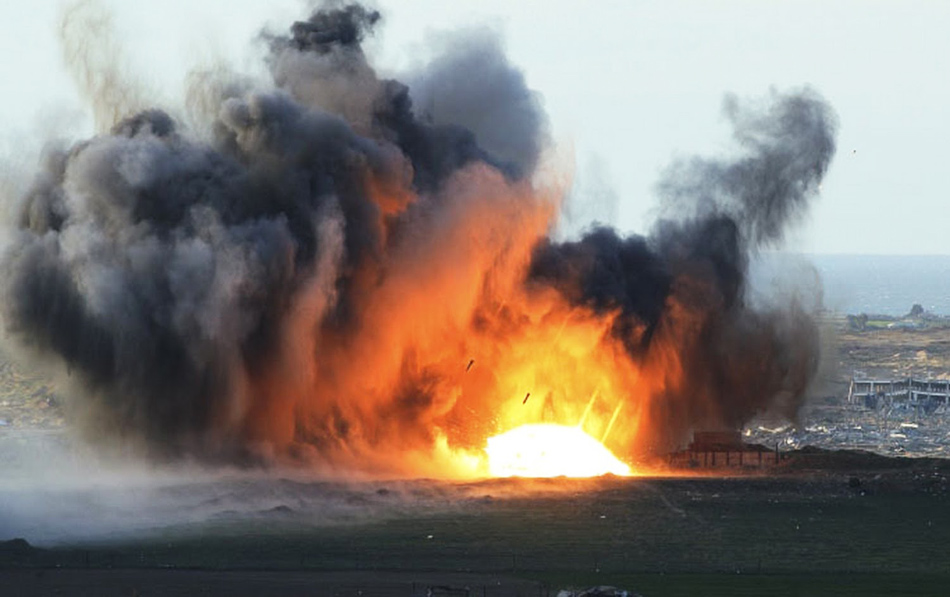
893, 353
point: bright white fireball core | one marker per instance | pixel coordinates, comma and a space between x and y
547, 450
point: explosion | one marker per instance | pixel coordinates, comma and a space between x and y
546, 450
353, 273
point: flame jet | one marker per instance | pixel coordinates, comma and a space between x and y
304, 276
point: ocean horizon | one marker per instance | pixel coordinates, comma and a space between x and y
854, 284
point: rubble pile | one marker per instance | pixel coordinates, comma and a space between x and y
896, 429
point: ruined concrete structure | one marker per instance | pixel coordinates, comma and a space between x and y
928, 394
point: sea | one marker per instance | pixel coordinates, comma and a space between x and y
853, 284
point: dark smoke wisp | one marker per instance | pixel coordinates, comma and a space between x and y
311, 280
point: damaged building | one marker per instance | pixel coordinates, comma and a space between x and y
723, 450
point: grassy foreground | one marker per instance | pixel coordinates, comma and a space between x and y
805, 533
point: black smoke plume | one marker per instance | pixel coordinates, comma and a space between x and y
169, 271
738, 361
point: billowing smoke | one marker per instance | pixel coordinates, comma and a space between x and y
683, 288
344, 269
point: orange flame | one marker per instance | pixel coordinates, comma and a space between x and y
450, 340
448, 330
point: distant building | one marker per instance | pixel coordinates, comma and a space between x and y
927, 394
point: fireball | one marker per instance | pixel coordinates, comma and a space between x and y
549, 450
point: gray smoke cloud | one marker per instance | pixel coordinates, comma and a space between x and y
182, 277
161, 269
786, 147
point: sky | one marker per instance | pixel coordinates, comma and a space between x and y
628, 86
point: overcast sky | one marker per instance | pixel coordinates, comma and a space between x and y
628, 84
